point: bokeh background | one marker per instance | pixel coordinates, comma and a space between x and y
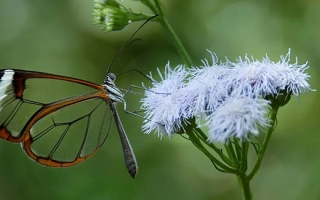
58, 37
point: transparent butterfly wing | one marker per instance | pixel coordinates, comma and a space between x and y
53, 132
66, 135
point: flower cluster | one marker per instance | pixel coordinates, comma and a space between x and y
232, 99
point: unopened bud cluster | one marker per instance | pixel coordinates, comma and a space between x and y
113, 16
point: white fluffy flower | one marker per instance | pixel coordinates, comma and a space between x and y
208, 87
164, 102
229, 98
267, 77
238, 116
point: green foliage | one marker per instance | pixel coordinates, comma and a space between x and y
58, 37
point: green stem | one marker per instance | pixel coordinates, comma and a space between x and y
230, 150
204, 139
244, 156
244, 182
182, 51
199, 145
237, 148
156, 8
265, 143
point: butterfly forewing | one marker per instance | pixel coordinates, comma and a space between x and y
14, 112
50, 90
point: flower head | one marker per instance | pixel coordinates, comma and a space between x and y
238, 116
269, 78
208, 86
164, 102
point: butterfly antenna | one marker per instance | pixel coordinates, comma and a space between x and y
138, 71
127, 42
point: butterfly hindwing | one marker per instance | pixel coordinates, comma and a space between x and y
70, 134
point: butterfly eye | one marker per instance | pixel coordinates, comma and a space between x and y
112, 76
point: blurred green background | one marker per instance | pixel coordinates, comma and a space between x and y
58, 37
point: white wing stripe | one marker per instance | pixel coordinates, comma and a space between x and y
5, 81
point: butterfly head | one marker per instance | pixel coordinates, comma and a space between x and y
110, 87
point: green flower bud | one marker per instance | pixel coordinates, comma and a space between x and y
281, 99
113, 16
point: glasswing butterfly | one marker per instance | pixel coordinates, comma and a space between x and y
69, 129
48, 132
